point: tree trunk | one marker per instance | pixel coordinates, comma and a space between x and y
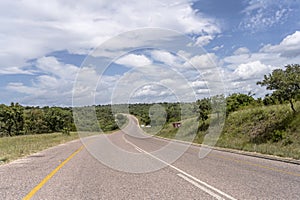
9, 131
292, 105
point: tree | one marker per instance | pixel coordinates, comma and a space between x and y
270, 100
173, 112
18, 117
237, 100
204, 108
284, 83
218, 105
7, 122
58, 119
35, 121
12, 120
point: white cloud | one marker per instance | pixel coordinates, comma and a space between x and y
31, 29
55, 83
216, 48
279, 55
204, 40
289, 46
205, 92
83, 89
204, 61
205, 70
237, 59
50, 65
151, 91
134, 60
15, 70
292, 40
165, 57
199, 84
263, 14
185, 55
252, 70
241, 50
52, 87
155, 83
21, 88
245, 68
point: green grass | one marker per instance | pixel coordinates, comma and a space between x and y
187, 131
12, 148
273, 130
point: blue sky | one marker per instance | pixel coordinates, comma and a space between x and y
48, 47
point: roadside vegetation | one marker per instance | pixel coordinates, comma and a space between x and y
269, 125
273, 129
26, 130
15, 147
18, 120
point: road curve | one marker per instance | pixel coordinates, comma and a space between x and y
69, 171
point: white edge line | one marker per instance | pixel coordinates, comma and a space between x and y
183, 172
200, 187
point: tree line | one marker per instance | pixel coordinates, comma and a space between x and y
19, 120
16, 119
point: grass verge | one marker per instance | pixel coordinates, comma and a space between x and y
12, 148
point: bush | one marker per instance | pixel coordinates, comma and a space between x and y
278, 136
66, 131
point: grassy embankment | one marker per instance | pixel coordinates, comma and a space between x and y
273, 130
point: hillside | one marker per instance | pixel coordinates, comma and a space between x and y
270, 129
267, 129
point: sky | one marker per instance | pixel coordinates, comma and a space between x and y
64, 53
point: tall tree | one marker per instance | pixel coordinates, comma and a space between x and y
12, 119
204, 108
284, 83
18, 117
7, 122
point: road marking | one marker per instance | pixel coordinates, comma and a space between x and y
138, 149
223, 157
226, 158
200, 186
49, 176
183, 172
256, 165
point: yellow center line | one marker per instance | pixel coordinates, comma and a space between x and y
257, 165
49, 176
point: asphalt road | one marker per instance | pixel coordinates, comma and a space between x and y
131, 165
